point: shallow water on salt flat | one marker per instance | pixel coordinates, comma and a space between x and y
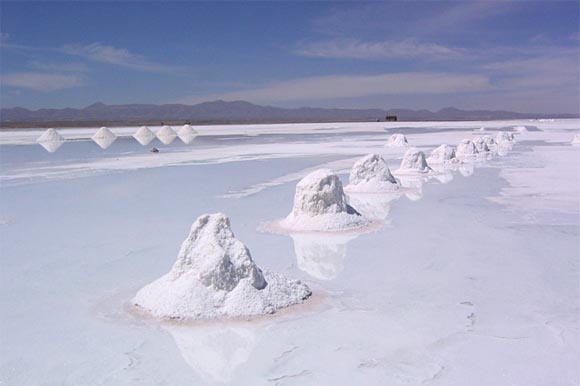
455, 289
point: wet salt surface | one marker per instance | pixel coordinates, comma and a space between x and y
455, 289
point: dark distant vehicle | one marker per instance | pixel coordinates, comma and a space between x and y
154, 150
391, 118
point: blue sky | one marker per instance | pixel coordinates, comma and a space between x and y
521, 56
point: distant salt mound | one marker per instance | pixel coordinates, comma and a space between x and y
144, 135
166, 135
215, 277
371, 174
397, 140
480, 144
503, 138
466, 149
489, 141
576, 140
414, 162
51, 140
520, 129
187, 134
321, 205
444, 154
104, 137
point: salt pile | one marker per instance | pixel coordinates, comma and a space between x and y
520, 129
144, 136
480, 144
466, 149
414, 162
51, 140
576, 140
397, 140
104, 137
214, 276
444, 154
321, 205
502, 137
187, 134
371, 174
489, 141
166, 135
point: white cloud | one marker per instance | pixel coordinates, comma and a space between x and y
117, 56
349, 86
389, 49
41, 81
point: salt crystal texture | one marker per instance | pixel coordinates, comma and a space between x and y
466, 149
371, 174
576, 140
321, 205
214, 276
51, 140
414, 162
187, 134
166, 135
397, 140
144, 135
104, 137
480, 144
444, 154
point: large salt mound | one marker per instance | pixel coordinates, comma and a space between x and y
104, 137
480, 144
214, 276
502, 137
576, 140
397, 140
166, 135
371, 174
144, 135
187, 134
444, 154
51, 140
466, 149
414, 162
321, 205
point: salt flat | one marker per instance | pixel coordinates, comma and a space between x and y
472, 278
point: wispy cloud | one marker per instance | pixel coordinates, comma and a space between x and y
39, 81
389, 49
99, 52
57, 67
345, 86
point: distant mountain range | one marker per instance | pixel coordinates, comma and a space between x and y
235, 112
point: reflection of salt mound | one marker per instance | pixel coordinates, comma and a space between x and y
144, 136
576, 140
187, 134
215, 276
373, 206
166, 135
466, 170
520, 129
414, 162
444, 154
466, 149
320, 205
371, 174
214, 352
413, 184
397, 140
480, 144
321, 256
104, 137
51, 140
503, 137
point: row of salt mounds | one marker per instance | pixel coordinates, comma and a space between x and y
414, 162
104, 137
166, 135
576, 140
214, 276
442, 155
321, 205
371, 174
51, 140
397, 140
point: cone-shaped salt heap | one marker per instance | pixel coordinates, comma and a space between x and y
51, 140
466, 149
215, 277
413, 162
444, 154
187, 134
397, 140
480, 144
166, 135
576, 140
104, 137
144, 135
502, 138
371, 174
321, 205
